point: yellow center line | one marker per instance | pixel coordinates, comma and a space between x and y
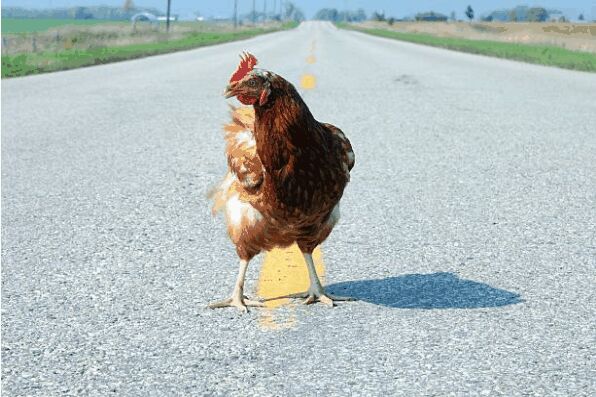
308, 82
284, 272
311, 59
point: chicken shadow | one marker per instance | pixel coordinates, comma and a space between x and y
426, 291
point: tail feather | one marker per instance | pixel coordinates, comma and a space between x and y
221, 193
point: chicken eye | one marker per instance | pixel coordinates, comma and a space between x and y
252, 83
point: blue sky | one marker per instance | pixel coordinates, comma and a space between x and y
391, 7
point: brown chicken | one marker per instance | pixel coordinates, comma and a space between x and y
287, 173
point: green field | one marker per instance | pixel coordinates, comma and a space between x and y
13, 25
27, 63
540, 54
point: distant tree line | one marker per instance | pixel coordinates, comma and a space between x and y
292, 13
430, 16
333, 15
289, 13
524, 14
95, 12
516, 14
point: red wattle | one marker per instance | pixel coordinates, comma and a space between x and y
247, 100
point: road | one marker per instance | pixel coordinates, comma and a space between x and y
467, 232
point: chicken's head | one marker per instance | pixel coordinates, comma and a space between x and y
251, 86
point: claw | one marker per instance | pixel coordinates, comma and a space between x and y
256, 300
298, 295
218, 304
241, 304
311, 297
338, 298
326, 300
253, 303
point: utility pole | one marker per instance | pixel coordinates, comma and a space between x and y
168, 16
345, 10
254, 13
235, 14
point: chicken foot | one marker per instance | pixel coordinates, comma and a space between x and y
316, 292
238, 299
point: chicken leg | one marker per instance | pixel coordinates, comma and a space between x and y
238, 299
316, 292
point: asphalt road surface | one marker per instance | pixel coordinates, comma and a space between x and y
467, 232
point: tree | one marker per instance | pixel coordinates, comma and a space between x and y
81, 13
378, 16
292, 12
519, 14
581, 17
331, 14
452, 16
327, 14
128, 5
470, 13
537, 14
430, 16
360, 15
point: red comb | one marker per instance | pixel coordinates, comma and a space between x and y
247, 63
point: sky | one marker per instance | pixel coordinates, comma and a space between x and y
394, 8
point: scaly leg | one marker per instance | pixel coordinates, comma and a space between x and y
316, 292
238, 299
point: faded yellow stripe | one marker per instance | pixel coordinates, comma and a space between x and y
308, 81
284, 272
311, 59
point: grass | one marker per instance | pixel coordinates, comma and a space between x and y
532, 53
27, 63
18, 25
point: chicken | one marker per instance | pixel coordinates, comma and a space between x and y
287, 173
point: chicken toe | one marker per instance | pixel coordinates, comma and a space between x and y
238, 299
311, 297
316, 292
241, 304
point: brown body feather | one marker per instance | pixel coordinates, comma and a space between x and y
287, 173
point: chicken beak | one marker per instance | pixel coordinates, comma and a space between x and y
230, 91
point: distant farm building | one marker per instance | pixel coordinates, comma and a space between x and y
173, 18
143, 16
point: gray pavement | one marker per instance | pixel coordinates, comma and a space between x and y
468, 230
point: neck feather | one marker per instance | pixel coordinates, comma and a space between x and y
283, 126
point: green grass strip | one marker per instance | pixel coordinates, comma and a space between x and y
23, 25
43, 62
539, 54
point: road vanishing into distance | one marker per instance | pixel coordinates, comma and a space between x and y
467, 232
